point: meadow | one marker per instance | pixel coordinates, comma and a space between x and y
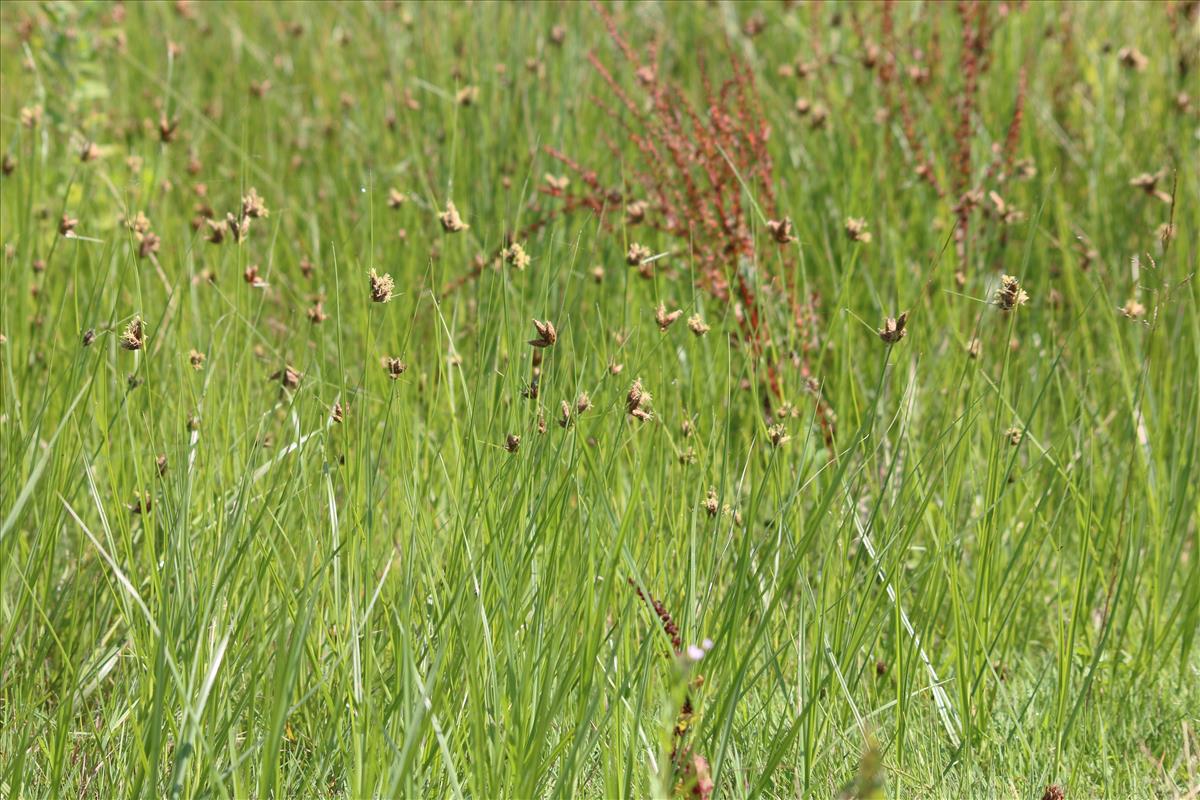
713, 400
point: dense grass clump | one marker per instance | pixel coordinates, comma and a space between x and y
673, 400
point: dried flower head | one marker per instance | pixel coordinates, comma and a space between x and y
778, 435
697, 325
598, 274
394, 366
615, 368
160, 464
141, 503
167, 129
665, 318
89, 336
134, 336
635, 212
451, 221
856, 230
557, 184
1014, 435
89, 151
253, 205
582, 403
1132, 58
9, 164
1053, 792
515, 256
512, 442
712, 506
1133, 309
467, 95
1148, 183
564, 414
547, 335
238, 227
637, 402
893, 329
637, 255
337, 413
66, 225
1010, 295
974, 348
396, 198
216, 230
196, 359
289, 377
781, 230
316, 312
381, 287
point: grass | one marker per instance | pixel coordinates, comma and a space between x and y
987, 584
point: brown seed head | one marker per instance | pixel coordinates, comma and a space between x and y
665, 318
856, 230
196, 359
1132, 58
697, 325
89, 336
781, 230
451, 221
778, 435
515, 256
582, 403
381, 287
66, 225
396, 198
512, 442
253, 205
547, 335
893, 329
1053, 792
1010, 295
394, 366
637, 255
635, 212
134, 336
712, 506
564, 414
289, 377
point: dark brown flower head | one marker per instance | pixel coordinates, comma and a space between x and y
564, 414
665, 318
637, 402
582, 403
547, 335
1148, 183
637, 255
781, 230
712, 506
66, 225
160, 464
289, 377
1132, 58
8, 165
253, 205
337, 413
893, 329
635, 212
89, 151
856, 230
467, 95
216, 230
974, 348
168, 129
381, 287
1053, 792
196, 359
778, 435
394, 366
89, 336
148, 243
451, 221
134, 336
141, 503
697, 325
238, 227
316, 312
1010, 295
512, 442
396, 198
1013, 435
598, 274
